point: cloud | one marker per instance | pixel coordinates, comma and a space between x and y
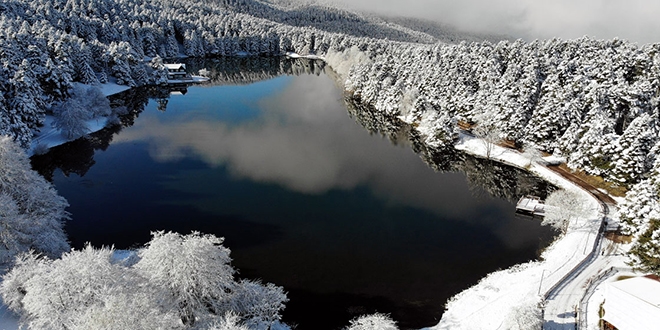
634, 20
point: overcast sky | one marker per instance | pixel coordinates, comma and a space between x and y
635, 20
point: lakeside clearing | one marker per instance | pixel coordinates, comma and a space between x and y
504, 298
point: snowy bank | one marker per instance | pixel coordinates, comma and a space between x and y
504, 299
192, 80
112, 88
49, 136
8, 319
311, 57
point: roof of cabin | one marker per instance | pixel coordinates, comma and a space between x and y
642, 287
175, 66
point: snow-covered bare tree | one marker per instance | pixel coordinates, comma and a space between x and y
195, 279
258, 304
532, 154
373, 322
82, 290
32, 214
71, 118
177, 282
564, 205
85, 103
230, 321
490, 136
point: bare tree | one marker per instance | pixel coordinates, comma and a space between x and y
532, 154
562, 205
490, 135
32, 214
373, 322
177, 282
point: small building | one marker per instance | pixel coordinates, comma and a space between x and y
633, 303
176, 71
531, 205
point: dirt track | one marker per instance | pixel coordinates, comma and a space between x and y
601, 196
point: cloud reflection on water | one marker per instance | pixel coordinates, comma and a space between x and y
303, 140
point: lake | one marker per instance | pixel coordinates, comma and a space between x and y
268, 157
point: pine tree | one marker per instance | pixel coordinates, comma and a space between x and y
631, 155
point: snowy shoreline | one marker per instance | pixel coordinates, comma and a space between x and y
49, 136
500, 295
501, 298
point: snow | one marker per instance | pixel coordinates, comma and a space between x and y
495, 301
599, 294
49, 136
175, 66
8, 319
112, 88
642, 288
311, 57
194, 80
633, 303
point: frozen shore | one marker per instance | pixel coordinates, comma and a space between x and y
49, 136
508, 298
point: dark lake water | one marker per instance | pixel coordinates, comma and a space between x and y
347, 222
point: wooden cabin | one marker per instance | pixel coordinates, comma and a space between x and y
177, 71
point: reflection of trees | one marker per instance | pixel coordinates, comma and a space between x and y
501, 180
497, 179
246, 70
77, 157
376, 122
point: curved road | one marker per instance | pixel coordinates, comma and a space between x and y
563, 309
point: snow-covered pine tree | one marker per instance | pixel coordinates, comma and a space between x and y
631, 155
25, 104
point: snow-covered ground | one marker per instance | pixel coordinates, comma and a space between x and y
194, 80
8, 320
311, 57
502, 299
112, 88
49, 136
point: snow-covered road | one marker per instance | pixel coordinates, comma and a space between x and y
501, 297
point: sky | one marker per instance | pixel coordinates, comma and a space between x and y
634, 20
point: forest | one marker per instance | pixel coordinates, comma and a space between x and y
592, 102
